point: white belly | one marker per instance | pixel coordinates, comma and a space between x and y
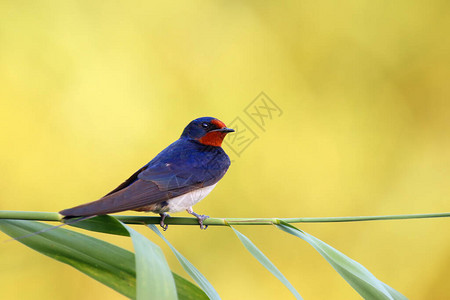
187, 200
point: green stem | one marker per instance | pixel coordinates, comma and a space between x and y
30, 215
366, 218
53, 216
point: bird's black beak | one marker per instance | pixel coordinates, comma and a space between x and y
225, 129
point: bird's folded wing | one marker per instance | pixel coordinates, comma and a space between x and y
147, 186
138, 194
173, 178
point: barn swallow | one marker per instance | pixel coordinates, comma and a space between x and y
177, 178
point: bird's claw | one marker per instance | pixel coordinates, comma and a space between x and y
200, 219
161, 223
164, 226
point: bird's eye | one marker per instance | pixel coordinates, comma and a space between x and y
205, 125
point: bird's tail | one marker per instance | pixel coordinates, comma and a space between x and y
103, 206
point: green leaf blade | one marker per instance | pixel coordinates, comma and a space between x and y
189, 268
104, 223
265, 262
153, 276
102, 261
107, 263
364, 282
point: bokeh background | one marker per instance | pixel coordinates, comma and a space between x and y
92, 90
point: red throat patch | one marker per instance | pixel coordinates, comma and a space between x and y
214, 138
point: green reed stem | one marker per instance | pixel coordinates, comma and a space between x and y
53, 216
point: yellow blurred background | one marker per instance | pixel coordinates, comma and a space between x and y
92, 90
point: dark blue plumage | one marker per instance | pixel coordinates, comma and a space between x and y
177, 178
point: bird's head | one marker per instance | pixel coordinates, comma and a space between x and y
207, 131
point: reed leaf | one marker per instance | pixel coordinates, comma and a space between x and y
265, 262
106, 263
366, 284
153, 276
189, 268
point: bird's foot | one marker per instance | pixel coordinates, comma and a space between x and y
161, 223
200, 218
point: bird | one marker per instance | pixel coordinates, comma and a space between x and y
178, 177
